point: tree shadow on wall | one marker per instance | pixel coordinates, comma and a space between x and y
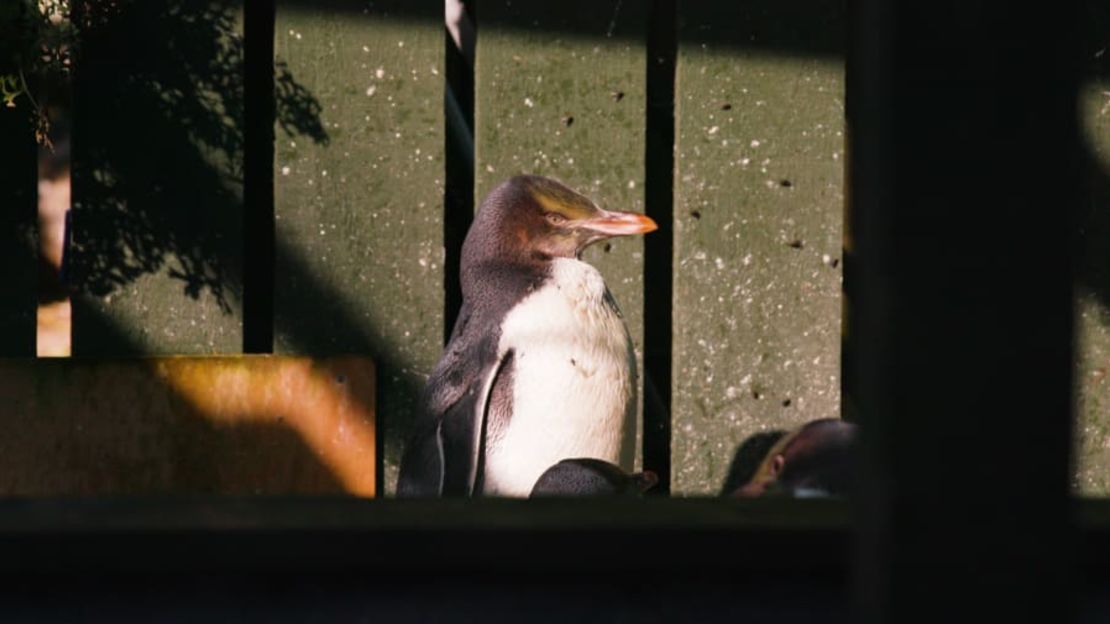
159, 145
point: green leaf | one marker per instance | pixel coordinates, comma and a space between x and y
11, 87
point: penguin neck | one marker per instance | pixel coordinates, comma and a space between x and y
490, 263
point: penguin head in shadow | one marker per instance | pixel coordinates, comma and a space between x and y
816, 459
586, 476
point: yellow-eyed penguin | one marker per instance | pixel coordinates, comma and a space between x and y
540, 366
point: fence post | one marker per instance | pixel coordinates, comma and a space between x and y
961, 312
18, 241
757, 226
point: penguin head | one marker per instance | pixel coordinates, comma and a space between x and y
815, 459
586, 476
537, 218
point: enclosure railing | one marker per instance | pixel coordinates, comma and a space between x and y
283, 178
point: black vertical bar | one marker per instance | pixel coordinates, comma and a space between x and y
458, 192
18, 192
662, 50
869, 189
960, 323
258, 177
18, 234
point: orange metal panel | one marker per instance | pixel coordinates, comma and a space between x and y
187, 425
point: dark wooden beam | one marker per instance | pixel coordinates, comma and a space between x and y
963, 179
258, 177
18, 231
318, 534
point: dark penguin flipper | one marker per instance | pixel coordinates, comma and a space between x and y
464, 431
444, 456
462, 444
422, 464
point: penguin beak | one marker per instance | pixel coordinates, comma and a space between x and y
616, 223
645, 480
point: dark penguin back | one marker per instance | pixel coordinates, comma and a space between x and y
590, 477
443, 456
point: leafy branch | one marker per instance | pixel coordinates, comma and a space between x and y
36, 39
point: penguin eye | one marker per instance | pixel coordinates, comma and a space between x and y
555, 218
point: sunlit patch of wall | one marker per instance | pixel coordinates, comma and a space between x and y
1092, 388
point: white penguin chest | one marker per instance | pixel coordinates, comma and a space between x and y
573, 383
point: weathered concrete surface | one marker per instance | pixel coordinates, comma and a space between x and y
561, 93
359, 202
1092, 428
157, 188
187, 425
758, 205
